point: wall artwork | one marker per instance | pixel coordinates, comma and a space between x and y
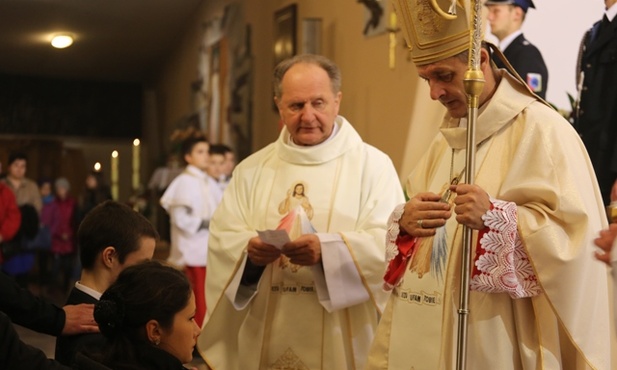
285, 21
311, 35
375, 17
285, 29
222, 94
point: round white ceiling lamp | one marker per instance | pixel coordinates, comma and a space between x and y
62, 41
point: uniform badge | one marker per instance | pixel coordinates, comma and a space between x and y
534, 80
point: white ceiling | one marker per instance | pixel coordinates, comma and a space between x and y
117, 40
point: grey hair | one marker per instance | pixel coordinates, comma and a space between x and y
324, 63
62, 182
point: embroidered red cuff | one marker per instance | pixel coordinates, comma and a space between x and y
398, 250
501, 264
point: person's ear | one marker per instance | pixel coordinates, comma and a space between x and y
339, 97
107, 256
153, 332
519, 13
277, 102
484, 58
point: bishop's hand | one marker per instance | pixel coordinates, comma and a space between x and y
423, 214
470, 204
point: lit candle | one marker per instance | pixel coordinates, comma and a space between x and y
136, 164
114, 175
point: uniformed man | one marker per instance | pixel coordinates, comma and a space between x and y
506, 18
596, 114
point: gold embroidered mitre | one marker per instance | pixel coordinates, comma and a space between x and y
430, 36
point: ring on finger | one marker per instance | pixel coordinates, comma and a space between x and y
420, 223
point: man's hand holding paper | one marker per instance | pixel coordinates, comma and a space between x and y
304, 251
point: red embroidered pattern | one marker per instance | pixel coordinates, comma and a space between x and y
501, 264
398, 250
393, 232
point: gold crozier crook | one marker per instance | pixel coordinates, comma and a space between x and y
450, 15
474, 83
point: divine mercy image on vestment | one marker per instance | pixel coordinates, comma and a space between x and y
297, 214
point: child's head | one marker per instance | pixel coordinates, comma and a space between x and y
217, 161
230, 162
113, 236
45, 188
195, 152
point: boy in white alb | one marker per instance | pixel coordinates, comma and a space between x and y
190, 201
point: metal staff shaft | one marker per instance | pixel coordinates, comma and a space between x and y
474, 83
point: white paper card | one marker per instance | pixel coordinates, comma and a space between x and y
276, 238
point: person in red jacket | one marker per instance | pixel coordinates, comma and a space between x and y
10, 217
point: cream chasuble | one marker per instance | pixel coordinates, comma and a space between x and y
319, 317
530, 156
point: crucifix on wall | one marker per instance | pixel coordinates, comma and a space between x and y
375, 18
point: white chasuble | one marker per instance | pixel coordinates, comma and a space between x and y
299, 317
529, 156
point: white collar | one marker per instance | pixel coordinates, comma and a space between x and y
503, 44
196, 171
346, 139
89, 291
335, 130
611, 12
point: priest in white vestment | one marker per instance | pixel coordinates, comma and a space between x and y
538, 298
306, 293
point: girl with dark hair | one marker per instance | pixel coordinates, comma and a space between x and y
148, 319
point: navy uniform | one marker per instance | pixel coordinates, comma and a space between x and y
524, 57
596, 116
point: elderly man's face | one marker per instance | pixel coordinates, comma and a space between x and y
308, 106
445, 80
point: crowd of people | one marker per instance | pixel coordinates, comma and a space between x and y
313, 256
44, 251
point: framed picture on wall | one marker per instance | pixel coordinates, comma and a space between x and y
311, 36
285, 30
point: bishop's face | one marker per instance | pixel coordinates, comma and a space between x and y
445, 80
308, 106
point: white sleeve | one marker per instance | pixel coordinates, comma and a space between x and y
240, 295
337, 280
182, 217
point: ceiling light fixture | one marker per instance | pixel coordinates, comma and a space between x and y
62, 41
